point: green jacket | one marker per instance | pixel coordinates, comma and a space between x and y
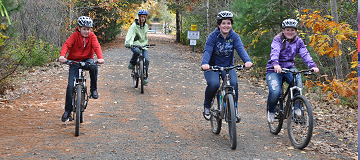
137, 35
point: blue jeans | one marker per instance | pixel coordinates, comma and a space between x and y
74, 72
136, 52
213, 84
274, 81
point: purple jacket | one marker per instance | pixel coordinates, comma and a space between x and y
285, 57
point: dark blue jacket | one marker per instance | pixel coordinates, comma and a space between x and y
220, 52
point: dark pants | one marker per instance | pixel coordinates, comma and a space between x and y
213, 84
74, 72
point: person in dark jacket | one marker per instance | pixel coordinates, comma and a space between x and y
219, 51
284, 48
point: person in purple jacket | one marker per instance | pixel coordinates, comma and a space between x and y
284, 48
219, 51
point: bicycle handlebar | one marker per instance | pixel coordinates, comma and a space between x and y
217, 68
306, 72
138, 46
82, 64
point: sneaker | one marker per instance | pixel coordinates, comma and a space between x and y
146, 82
206, 113
94, 94
298, 112
65, 117
238, 119
271, 117
130, 66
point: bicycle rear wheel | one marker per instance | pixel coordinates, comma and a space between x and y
275, 127
230, 114
141, 73
300, 127
215, 114
78, 109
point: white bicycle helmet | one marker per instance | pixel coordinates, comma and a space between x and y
225, 15
289, 23
85, 21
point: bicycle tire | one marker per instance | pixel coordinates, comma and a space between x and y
215, 119
275, 127
135, 76
230, 106
82, 107
300, 127
78, 109
141, 73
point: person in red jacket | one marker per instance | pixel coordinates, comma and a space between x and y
81, 46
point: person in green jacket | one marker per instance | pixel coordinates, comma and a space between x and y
137, 35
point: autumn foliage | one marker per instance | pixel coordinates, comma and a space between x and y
326, 38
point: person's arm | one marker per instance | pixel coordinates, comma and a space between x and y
66, 47
275, 54
97, 48
305, 56
238, 45
129, 39
208, 49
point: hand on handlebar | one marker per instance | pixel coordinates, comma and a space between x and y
277, 69
316, 70
248, 64
100, 61
62, 59
205, 67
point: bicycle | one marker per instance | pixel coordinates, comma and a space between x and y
299, 127
80, 96
225, 106
139, 70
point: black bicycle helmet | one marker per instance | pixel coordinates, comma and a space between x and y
85, 21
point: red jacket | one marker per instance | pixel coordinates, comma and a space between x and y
75, 46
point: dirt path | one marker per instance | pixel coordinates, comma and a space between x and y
163, 123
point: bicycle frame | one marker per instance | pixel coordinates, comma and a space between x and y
81, 80
225, 89
140, 70
289, 91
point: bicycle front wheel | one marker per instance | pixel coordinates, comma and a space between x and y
215, 118
230, 114
300, 126
275, 127
135, 76
141, 73
82, 106
78, 109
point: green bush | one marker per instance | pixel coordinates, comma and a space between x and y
32, 52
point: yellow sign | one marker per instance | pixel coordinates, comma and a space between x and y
193, 27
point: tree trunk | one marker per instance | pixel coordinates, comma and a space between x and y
338, 60
207, 18
177, 26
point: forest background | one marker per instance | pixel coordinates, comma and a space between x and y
33, 31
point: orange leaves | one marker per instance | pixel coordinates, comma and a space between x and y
335, 88
326, 35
